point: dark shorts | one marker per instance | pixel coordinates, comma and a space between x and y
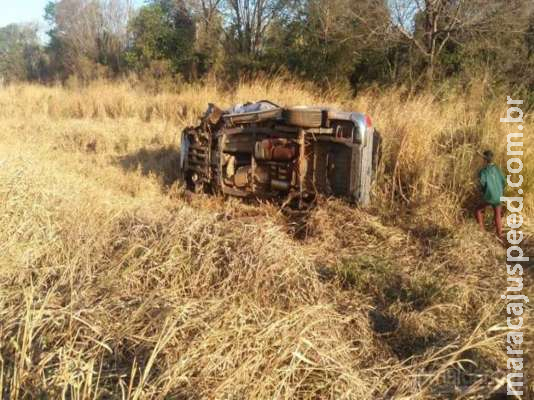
484, 205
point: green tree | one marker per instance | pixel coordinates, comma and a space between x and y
21, 55
209, 54
448, 36
163, 30
331, 41
87, 37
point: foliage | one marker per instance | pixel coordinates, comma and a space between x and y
351, 44
162, 30
21, 57
88, 38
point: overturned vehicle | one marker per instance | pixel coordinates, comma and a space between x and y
264, 151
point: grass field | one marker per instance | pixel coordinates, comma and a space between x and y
115, 283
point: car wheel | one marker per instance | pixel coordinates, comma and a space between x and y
304, 117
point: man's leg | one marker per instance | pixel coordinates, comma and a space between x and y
497, 217
479, 214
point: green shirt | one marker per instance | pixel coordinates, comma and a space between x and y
492, 183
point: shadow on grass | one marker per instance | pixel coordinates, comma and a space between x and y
297, 222
429, 236
163, 163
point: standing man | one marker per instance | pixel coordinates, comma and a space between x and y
492, 184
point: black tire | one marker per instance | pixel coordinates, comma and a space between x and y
304, 117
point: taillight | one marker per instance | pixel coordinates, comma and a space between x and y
368, 121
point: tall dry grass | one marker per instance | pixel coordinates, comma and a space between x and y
114, 283
430, 143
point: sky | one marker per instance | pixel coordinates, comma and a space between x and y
15, 11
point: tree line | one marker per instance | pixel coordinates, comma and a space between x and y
355, 43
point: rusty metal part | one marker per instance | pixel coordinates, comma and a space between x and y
262, 150
256, 116
284, 153
282, 186
261, 175
303, 163
275, 150
241, 177
230, 165
214, 114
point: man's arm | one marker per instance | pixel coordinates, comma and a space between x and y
503, 178
482, 179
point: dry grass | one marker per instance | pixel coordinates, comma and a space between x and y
116, 284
